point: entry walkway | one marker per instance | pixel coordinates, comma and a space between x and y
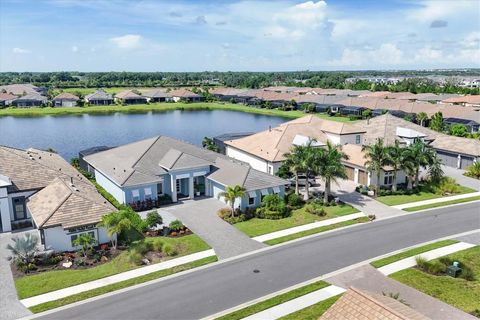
201, 217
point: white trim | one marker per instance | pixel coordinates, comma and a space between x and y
264, 192
252, 194
276, 189
199, 174
148, 191
135, 193
182, 176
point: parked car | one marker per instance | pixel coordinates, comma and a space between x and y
302, 181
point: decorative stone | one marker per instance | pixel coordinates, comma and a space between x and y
67, 264
145, 261
103, 259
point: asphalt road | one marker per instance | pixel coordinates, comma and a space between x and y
211, 290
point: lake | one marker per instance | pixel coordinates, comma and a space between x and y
70, 134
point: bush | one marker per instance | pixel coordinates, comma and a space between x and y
157, 245
316, 209
273, 207
447, 185
224, 213
176, 225
467, 274
422, 263
435, 267
138, 223
135, 257
169, 250
165, 199
294, 200
142, 247
473, 170
153, 219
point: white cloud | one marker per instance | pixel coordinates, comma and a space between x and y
430, 10
428, 55
128, 41
385, 54
20, 50
74, 48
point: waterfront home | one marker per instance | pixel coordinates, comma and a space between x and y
219, 140
163, 167
65, 99
21, 89
99, 97
30, 100
227, 94
130, 97
6, 99
184, 95
157, 95
40, 189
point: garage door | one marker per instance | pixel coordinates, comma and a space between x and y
350, 173
466, 162
362, 177
216, 192
448, 159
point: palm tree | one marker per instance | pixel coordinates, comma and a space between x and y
309, 161
418, 155
24, 248
395, 159
115, 223
295, 161
377, 158
422, 117
329, 167
231, 194
435, 171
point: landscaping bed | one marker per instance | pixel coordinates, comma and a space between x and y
462, 292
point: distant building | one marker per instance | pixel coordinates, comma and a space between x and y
130, 97
219, 140
157, 95
30, 100
472, 126
6, 99
185, 95
65, 99
99, 97
21, 89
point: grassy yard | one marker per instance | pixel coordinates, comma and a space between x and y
256, 308
457, 292
120, 285
412, 252
422, 195
256, 227
29, 286
312, 312
441, 204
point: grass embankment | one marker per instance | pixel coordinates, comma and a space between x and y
120, 285
256, 227
29, 286
312, 312
422, 195
441, 204
264, 305
159, 107
412, 252
458, 292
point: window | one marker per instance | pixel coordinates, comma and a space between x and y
73, 237
388, 178
148, 193
19, 209
357, 139
251, 201
136, 195
160, 189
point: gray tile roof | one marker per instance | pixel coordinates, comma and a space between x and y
99, 95
32, 96
156, 93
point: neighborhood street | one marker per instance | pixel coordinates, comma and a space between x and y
211, 290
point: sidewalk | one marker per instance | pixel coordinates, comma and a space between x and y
62, 293
437, 200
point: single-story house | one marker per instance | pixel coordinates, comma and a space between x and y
352, 110
6, 99
157, 95
99, 97
163, 166
220, 140
130, 97
65, 99
184, 95
227, 94
472, 126
30, 100
86, 152
21, 89
40, 188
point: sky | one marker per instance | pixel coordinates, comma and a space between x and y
155, 35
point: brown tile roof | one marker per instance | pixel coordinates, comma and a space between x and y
473, 99
227, 91
19, 89
66, 96
7, 96
128, 94
359, 304
182, 93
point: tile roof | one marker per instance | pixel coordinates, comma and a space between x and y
156, 93
99, 95
19, 89
66, 96
7, 96
360, 304
33, 96
227, 91
128, 94
183, 93
473, 99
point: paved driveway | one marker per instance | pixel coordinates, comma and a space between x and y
201, 217
457, 174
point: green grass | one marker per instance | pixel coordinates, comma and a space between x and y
120, 285
462, 294
256, 227
441, 204
256, 308
422, 195
316, 230
29, 286
159, 107
412, 252
312, 312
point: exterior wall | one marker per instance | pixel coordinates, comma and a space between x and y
243, 202
334, 138
344, 138
59, 239
25, 194
255, 162
65, 103
4, 211
110, 186
373, 178
100, 102
128, 191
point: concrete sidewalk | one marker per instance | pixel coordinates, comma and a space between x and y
436, 200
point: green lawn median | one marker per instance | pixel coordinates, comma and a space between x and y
441, 204
393, 200
313, 312
412, 252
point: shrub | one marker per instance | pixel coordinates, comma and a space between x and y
473, 170
176, 225
447, 185
157, 245
467, 273
135, 257
273, 207
169, 250
316, 209
142, 247
153, 219
422, 263
435, 267
224, 213
294, 200
24, 250
165, 199
446, 261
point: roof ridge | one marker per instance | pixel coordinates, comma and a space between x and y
143, 154
62, 201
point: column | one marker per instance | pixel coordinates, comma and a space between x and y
173, 187
5, 212
191, 191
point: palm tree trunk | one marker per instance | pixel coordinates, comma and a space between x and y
409, 181
307, 188
233, 208
394, 185
327, 191
296, 184
377, 188
417, 173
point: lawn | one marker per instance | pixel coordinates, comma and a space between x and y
256, 227
120, 285
422, 195
441, 204
412, 252
29, 286
312, 312
256, 308
462, 294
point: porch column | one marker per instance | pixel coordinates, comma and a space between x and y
5, 213
173, 187
191, 191
459, 161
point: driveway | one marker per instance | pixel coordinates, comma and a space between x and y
457, 174
10, 307
200, 216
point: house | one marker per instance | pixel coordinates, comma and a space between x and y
130, 97
361, 304
227, 94
6, 99
162, 166
157, 95
86, 152
467, 101
99, 97
352, 110
21, 89
30, 100
40, 188
219, 141
65, 99
184, 95
472, 126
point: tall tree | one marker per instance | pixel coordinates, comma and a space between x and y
395, 159
115, 223
419, 155
231, 194
377, 157
296, 162
436, 123
421, 118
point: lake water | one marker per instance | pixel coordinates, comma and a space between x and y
70, 134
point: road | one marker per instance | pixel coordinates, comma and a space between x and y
211, 290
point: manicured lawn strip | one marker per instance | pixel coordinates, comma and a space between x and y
462, 294
312, 312
412, 252
256, 227
316, 230
256, 308
159, 107
441, 204
29, 286
401, 199
120, 285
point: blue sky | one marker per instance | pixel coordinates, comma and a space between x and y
148, 35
